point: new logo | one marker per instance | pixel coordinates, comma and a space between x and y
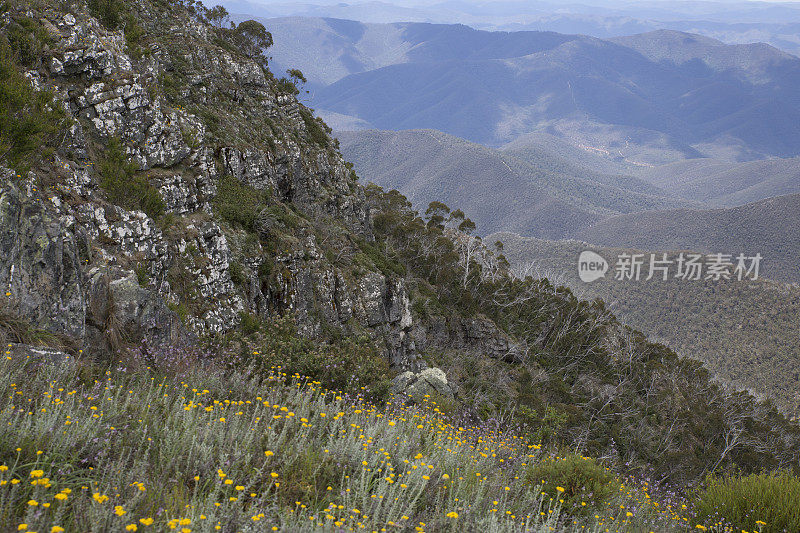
591, 266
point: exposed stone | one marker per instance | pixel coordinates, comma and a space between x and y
39, 266
38, 354
429, 382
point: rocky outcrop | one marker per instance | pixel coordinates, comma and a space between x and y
484, 336
77, 265
477, 335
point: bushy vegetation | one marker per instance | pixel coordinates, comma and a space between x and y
664, 412
29, 120
109, 12
88, 449
317, 130
350, 364
238, 203
574, 480
769, 503
124, 186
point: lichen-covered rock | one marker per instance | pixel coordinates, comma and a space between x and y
189, 113
430, 382
40, 267
120, 307
483, 335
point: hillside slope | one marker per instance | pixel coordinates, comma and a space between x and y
185, 212
543, 195
726, 184
767, 227
747, 333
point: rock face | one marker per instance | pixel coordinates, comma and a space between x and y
78, 265
42, 273
190, 114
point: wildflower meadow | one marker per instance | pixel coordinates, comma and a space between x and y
208, 449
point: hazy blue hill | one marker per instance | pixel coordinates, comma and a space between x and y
328, 49
534, 145
768, 227
727, 184
697, 94
546, 196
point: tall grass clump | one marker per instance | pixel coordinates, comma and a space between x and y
768, 502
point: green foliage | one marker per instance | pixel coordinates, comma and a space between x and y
27, 39
133, 37
576, 480
741, 502
745, 332
237, 274
287, 86
123, 186
315, 127
142, 274
238, 203
542, 427
218, 16
249, 323
109, 12
252, 39
387, 266
579, 352
296, 75
346, 364
29, 119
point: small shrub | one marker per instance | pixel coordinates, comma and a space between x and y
287, 86
142, 274
27, 39
740, 502
29, 119
315, 127
582, 479
237, 203
347, 364
386, 265
249, 323
108, 12
133, 37
237, 274
265, 270
123, 187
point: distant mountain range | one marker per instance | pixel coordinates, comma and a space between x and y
732, 22
544, 195
769, 227
653, 98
